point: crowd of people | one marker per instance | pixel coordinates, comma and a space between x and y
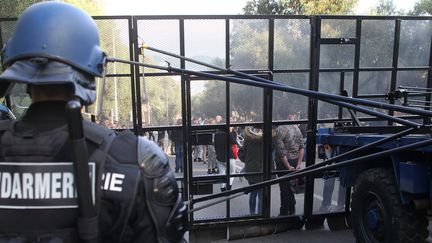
246, 145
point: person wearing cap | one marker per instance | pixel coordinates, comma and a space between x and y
55, 51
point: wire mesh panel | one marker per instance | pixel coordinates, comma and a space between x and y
161, 34
291, 44
337, 56
115, 103
249, 43
412, 78
7, 28
374, 121
329, 83
208, 99
114, 40
374, 82
246, 103
160, 100
415, 43
338, 28
377, 40
205, 42
296, 103
160, 93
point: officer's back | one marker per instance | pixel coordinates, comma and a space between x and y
55, 51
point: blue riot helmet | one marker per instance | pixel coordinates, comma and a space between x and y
54, 43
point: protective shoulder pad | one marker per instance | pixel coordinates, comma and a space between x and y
153, 162
165, 206
96, 133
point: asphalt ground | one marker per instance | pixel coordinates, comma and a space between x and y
239, 207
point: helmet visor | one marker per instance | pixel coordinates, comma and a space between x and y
41, 71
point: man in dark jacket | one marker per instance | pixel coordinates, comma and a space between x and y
177, 138
55, 51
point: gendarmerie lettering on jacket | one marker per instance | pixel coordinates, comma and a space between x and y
48, 185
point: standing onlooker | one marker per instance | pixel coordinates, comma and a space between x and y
221, 155
252, 155
197, 149
211, 153
289, 155
177, 139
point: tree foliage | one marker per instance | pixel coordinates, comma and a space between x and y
13, 8
299, 7
269, 7
386, 7
422, 7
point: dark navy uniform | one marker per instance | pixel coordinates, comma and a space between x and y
129, 209
131, 185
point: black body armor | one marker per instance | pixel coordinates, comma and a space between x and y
130, 190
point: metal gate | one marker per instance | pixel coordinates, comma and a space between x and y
359, 56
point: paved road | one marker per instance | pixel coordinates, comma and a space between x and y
303, 236
239, 207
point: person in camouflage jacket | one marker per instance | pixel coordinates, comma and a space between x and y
289, 155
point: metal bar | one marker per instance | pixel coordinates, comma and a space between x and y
281, 87
339, 41
315, 30
374, 113
307, 92
135, 91
420, 101
227, 44
267, 128
429, 81
228, 198
341, 90
395, 60
186, 173
419, 93
357, 52
309, 172
417, 88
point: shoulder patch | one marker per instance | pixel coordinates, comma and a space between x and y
27, 185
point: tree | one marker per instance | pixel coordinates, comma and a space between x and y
12, 8
328, 6
386, 7
273, 7
299, 6
422, 7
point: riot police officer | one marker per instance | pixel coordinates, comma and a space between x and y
55, 52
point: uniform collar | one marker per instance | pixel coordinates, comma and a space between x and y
49, 111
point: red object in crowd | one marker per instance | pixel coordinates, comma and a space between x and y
234, 148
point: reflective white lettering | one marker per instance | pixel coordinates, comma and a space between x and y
68, 189
55, 185
27, 185
16, 186
6, 182
116, 182
42, 185
106, 178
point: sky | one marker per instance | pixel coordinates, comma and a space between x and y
205, 7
